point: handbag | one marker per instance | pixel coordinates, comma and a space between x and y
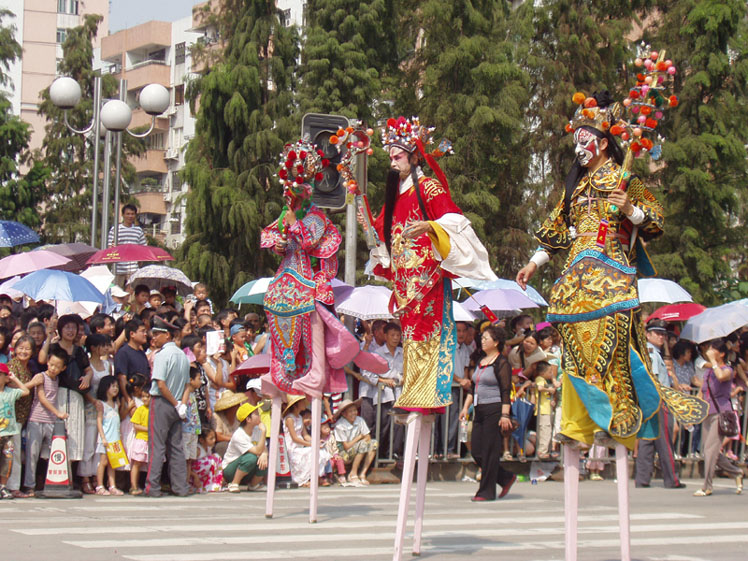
727, 422
115, 453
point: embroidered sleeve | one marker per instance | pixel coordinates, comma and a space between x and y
316, 235
554, 234
270, 236
437, 199
652, 225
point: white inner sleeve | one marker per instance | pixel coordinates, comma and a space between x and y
638, 216
540, 258
467, 255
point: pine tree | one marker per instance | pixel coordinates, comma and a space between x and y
463, 77
67, 201
244, 119
19, 194
705, 179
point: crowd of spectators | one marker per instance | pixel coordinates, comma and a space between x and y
155, 382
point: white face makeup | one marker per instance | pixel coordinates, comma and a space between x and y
586, 146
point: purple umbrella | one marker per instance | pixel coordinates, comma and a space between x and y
30, 261
498, 300
78, 253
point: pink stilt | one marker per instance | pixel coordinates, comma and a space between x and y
414, 429
424, 443
622, 473
571, 499
275, 415
314, 482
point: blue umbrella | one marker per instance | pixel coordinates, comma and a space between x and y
49, 284
522, 411
14, 233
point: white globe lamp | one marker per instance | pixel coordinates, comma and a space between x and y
116, 115
65, 92
154, 99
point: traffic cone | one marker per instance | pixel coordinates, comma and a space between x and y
58, 484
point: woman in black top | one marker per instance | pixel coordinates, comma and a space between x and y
492, 380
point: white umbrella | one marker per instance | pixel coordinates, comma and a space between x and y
7, 288
714, 323
462, 314
662, 290
473, 284
367, 303
499, 299
100, 276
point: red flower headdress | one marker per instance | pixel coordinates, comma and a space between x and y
301, 165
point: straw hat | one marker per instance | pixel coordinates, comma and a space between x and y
229, 399
345, 404
292, 400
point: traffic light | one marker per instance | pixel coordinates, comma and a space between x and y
318, 128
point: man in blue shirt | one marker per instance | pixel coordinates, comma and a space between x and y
170, 378
656, 338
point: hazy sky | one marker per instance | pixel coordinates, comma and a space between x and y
129, 13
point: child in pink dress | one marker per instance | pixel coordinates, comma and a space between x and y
207, 466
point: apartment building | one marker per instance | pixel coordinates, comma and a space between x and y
41, 28
157, 52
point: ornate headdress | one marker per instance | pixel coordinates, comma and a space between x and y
635, 120
405, 133
301, 165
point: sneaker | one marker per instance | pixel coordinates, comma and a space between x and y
233, 488
5, 493
259, 487
596, 477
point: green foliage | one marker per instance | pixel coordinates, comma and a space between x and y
244, 119
19, 194
67, 201
705, 179
464, 78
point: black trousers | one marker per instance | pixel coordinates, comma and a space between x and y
486, 447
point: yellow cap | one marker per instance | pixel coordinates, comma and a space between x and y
245, 411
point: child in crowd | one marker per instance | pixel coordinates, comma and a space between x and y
201, 293
544, 391
99, 348
246, 456
136, 389
329, 449
520, 385
594, 465
9, 427
297, 440
355, 444
207, 466
138, 450
44, 413
191, 426
306, 417
108, 422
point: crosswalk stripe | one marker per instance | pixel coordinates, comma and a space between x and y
296, 526
342, 552
318, 535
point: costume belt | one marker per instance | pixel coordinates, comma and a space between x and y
624, 239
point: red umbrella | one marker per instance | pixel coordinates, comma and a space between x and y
677, 312
129, 252
254, 366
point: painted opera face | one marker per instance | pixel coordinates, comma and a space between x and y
586, 146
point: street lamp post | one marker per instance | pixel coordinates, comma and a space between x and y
115, 116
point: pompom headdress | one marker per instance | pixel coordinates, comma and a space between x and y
301, 165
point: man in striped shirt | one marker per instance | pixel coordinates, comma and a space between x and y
128, 232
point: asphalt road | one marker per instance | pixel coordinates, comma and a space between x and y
353, 523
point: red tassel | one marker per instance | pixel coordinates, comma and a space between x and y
433, 165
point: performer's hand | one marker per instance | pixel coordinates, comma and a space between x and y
416, 229
359, 217
525, 274
621, 200
280, 248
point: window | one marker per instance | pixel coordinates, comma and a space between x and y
179, 53
285, 17
176, 223
179, 94
159, 55
176, 182
67, 7
62, 34
73, 7
154, 141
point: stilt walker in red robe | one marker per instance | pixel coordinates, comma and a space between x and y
426, 241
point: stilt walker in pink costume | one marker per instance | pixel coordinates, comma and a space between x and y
610, 395
310, 345
426, 242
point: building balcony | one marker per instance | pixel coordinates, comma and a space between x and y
147, 72
151, 162
149, 36
151, 203
141, 119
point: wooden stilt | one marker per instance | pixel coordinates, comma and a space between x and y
314, 482
275, 415
622, 473
571, 499
424, 443
414, 428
